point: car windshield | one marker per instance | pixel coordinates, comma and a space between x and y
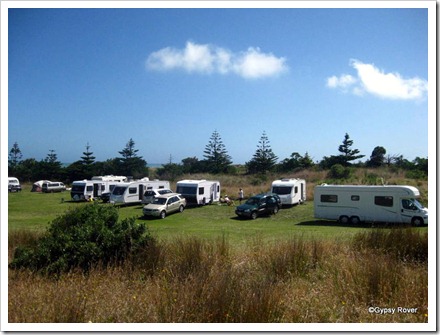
159, 201
165, 191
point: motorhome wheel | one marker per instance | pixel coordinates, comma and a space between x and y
417, 221
343, 219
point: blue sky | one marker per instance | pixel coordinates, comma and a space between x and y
169, 78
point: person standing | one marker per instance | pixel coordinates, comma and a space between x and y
240, 194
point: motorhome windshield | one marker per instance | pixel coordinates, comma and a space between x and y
411, 204
191, 190
282, 190
78, 187
119, 190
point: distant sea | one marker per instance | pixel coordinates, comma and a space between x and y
151, 165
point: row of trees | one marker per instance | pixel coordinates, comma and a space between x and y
215, 160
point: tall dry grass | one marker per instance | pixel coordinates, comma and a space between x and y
195, 280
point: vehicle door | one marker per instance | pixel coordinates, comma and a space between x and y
172, 205
408, 210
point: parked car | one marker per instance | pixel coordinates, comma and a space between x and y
50, 187
258, 205
163, 205
13, 185
151, 194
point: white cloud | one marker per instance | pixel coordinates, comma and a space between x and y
375, 81
208, 59
343, 81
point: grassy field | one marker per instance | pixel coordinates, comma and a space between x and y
34, 211
209, 266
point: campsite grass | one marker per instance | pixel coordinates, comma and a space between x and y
34, 211
214, 267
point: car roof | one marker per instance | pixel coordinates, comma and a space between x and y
168, 195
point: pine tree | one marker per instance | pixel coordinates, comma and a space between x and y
88, 159
15, 156
131, 164
216, 156
264, 159
347, 154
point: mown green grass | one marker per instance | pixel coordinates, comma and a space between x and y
34, 211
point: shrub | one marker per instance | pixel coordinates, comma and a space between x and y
339, 172
83, 237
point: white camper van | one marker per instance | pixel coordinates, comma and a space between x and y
199, 192
95, 188
13, 184
353, 203
133, 192
290, 191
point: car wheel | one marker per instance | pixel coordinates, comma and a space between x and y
417, 221
181, 208
254, 215
163, 214
343, 219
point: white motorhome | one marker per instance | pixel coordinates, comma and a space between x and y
199, 192
353, 203
95, 188
291, 191
133, 192
110, 178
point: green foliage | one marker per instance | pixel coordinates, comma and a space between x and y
347, 155
264, 159
216, 156
338, 171
84, 237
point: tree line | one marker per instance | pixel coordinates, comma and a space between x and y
216, 160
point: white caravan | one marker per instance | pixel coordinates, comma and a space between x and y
133, 192
95, 188
86, 189
290, 191
353, 203
199, 192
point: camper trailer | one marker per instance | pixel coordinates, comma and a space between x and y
95, 188
354, 204
290, 191
199, 192
87, 189
133, 192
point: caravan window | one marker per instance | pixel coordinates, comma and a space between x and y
89, 188
186, 189
385, 201
355, 198
282, 190
132, 190
329, 198
201, 190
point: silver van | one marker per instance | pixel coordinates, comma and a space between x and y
53, 187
